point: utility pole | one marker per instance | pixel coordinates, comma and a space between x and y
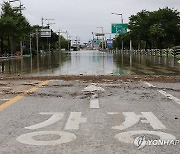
49, 44
42, 20
59, 41
30, 46
102, 37
37, 42
20, 8
77, 42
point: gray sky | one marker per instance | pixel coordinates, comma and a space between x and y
81, 17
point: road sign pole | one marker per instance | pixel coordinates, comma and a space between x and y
122, 45
130, 45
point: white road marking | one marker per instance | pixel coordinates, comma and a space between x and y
165, 93
55, 117
94, 96
28, 138
149, 84
94, 104
112, 113
4, 99
92, 88
153, 120
74, 121
131, 119
5, 87
126, 137
170, 96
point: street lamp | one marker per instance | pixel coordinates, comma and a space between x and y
119, 14
102, 38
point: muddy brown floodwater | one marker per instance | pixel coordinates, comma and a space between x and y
86, 62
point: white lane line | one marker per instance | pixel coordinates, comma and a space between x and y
170, 96
5, 87
149, 84
4, 99
94, 104
164, 93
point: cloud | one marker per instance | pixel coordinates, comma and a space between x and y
81, 17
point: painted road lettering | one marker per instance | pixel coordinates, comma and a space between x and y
74, 121
55, 117
126, 137
28, 138
131, 119
94, 104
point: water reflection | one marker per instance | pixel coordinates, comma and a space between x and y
90, 63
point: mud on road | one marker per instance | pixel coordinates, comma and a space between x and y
101, 78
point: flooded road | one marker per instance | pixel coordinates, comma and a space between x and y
90, 63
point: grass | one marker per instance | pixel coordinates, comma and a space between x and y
169, 55
178, 56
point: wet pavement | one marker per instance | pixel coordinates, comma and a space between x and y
90, 63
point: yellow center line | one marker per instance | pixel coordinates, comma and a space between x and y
17, 98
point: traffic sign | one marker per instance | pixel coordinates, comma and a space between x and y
109, 43
100, 34
96, 41
45, 33
119, 28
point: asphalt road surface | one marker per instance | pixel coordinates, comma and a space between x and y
64, 117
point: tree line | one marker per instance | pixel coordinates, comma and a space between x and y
152, 30
15, 33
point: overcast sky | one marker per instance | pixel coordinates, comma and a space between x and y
81, 17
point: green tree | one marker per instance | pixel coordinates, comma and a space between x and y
165, 28
14, 28
158, 29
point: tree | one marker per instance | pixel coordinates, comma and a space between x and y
14, 27
158, 29
165, 28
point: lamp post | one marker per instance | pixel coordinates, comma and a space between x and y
67, 39
120, 14
102, 38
